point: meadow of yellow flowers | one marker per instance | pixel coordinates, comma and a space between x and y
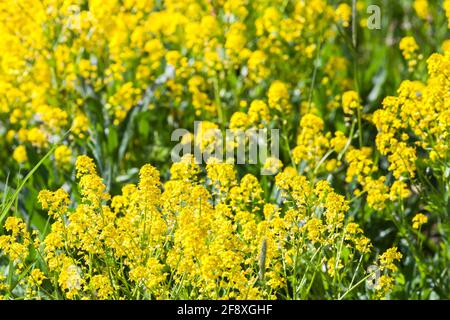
356, 205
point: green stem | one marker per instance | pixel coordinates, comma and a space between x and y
15, 196
355, 69
356, 285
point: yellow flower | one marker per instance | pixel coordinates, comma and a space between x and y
256, 65
70, 279
122, 101
350, 101
63, 156
236, 41
419, 220
101, 286
272, 165
278, 96
207, 137
446, 45
54, 118
332, 266
15, 245
84, 165
388, 258
421, 8
20, 154
37, 138
339, 141
315, 229
312, 144
239, 120
55, 202
80, 125
377, 192
343, 14
36, 277
360, 164
93, 189
447, 10
399, 190
222, 175
409, 48
258, 113
384, 285
362, 244
187, 169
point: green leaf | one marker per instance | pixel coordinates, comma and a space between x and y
113, 139
143, 126
6, 207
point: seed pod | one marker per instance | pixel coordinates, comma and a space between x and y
262, 259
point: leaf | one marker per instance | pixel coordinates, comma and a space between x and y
113, 139
143, 126
128, 134
13, 198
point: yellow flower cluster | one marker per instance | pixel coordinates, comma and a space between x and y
409, 48
95, 64
217, 239
114, 78
311, 142
422, 8
16, 244
418, 117
343, 14
362, 167
419, 220
20, 154
447, 10
314, 146
350, 101
278, 96
63, 156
